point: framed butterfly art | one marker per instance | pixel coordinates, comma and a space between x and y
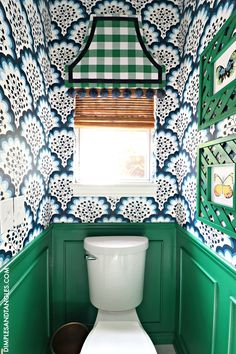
221, 182
217, 82
216, 191
225, 68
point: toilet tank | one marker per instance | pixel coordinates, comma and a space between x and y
116, 266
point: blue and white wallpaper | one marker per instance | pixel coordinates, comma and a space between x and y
38, 37
25, 118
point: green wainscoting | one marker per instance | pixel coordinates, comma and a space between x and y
29, 301
48, 287
70, 296
206, 300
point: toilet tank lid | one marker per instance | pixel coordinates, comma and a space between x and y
115, 244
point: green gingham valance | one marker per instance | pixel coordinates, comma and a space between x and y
114, 55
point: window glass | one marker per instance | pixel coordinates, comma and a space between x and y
112, 156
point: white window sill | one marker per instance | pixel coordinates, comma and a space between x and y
119, 190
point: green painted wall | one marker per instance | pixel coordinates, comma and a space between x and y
206, 300
70, 297
29, 301
48, 287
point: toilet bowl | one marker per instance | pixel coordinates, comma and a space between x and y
116, 267
111, 337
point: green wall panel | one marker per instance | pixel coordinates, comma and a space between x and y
77, 303
196, 302
150, 312
49, 287
206, 293
232, 327
70, 297
29, 301
205, 288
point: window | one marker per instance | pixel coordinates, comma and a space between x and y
113, 149
113, 155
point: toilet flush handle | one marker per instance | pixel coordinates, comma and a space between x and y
90, 257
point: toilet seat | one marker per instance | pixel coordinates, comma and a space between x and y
118, 337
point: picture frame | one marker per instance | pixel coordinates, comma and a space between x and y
217, 82
221, 185
216, 180
224, 67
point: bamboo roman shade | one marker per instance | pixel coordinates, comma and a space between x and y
113, 112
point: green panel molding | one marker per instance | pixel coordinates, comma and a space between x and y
29, 299
232, 327
206, 293
70, 297
48, 287
198, 302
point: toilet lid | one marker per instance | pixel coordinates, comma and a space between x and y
123, 337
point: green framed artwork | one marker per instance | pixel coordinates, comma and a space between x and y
216, 193
217, 85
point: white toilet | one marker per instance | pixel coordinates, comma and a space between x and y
116, 266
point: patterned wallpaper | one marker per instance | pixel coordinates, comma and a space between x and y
159, 22
25, 118
200, 21
36, 114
